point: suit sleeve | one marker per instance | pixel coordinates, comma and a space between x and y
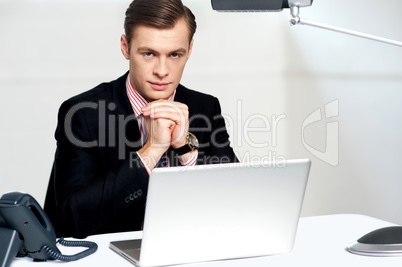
89, 189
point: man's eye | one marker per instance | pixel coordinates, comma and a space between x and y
175, 55
148, 54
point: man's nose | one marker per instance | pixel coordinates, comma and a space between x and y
161, 68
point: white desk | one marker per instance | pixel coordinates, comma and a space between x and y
320, 241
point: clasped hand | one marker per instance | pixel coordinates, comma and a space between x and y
167, 125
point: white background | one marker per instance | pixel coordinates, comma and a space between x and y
255, 63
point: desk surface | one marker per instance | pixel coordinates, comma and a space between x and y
320, 241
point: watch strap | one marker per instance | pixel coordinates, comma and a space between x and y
191, 145
183, 150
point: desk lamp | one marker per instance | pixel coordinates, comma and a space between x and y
381, 242
294, 6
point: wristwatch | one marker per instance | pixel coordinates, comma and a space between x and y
191, 145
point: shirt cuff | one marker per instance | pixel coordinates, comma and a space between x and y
143, 163
192, 160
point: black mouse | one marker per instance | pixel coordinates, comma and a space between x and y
385, 241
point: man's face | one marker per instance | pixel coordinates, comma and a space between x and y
157, 59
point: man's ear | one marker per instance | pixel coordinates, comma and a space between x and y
124, 47
190, 49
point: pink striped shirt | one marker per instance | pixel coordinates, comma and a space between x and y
137, 103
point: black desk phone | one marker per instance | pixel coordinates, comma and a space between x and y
26, 231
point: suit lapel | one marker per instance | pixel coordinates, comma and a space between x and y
180, 95
120, 97
126, 121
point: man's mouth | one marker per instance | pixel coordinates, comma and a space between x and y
159, 85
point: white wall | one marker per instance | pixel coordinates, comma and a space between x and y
265, 73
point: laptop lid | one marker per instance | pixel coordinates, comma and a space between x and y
225, 211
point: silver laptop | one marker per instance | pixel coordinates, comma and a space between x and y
217, 212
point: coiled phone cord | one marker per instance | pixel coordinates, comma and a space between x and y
92, 247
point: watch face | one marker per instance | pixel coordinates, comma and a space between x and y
192, 141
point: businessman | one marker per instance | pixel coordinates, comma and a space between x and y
110, 138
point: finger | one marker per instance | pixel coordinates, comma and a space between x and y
159, 132
163, 104
179, 117
160, 110
154, 125
179, 114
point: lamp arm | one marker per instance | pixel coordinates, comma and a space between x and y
297, 20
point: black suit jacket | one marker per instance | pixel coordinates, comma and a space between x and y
98, 183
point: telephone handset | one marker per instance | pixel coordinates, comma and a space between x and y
25, 230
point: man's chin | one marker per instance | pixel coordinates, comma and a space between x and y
159, 95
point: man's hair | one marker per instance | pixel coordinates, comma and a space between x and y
160, 14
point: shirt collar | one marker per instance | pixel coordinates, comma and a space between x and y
138, 101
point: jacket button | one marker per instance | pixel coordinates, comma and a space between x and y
139, 192
131, 197
127, 200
